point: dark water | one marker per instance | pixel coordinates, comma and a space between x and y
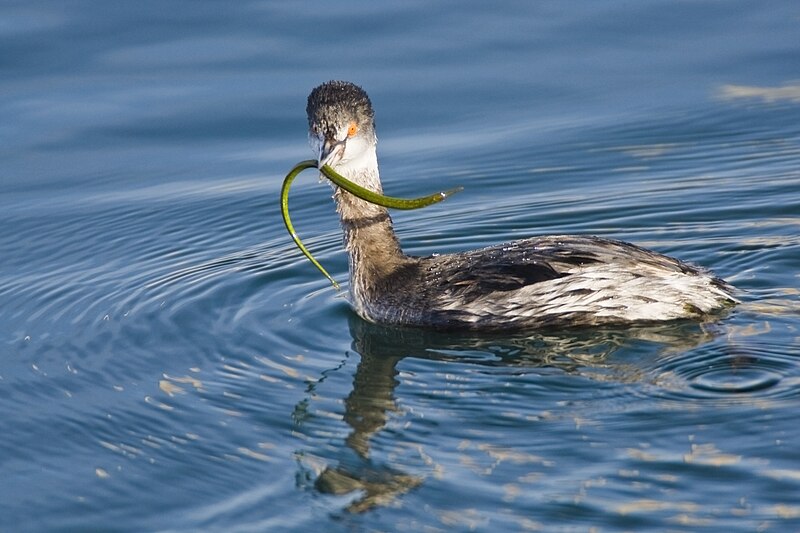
169, 362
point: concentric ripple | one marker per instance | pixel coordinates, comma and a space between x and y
730, 372
728, 380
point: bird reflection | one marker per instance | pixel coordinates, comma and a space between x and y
372, 399
367, 408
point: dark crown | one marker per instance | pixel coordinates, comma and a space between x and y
339, 101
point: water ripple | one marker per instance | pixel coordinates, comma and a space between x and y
165, 347
738, 371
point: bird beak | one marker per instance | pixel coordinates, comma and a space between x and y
330, 151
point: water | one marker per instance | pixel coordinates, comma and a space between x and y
171, 363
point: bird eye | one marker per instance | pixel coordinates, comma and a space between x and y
352, 129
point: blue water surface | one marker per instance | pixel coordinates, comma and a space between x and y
170, 362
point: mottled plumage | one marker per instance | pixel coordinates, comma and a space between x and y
538, 282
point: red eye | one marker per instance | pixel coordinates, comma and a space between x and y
352, 129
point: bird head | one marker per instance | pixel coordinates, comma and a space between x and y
341, 127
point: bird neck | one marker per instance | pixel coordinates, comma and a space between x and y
369, 238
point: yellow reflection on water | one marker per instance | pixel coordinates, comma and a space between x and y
710, 455
785, 511
786, 93
247, 452
170, 388
648, 506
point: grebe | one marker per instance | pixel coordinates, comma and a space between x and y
551, 281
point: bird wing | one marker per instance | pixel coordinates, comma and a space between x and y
513, 266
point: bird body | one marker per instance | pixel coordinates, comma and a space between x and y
550, 281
